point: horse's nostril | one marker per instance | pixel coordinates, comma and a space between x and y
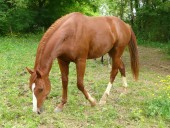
40, 110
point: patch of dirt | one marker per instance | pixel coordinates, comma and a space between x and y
152, 59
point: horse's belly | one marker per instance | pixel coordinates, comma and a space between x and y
101, 43
98, 51
93, 56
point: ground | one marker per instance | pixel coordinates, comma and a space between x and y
154, 59
155, 62
131, 110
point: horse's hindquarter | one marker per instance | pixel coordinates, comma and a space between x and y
123, 31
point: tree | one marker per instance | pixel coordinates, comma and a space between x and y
14, 16
152, 20
149, 18
32, 15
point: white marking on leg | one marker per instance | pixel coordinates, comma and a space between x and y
124, 81
106, 94
109, 86
91, 98
34, 99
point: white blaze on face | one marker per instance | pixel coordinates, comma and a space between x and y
34, 99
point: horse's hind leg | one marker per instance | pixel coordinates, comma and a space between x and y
64, 68
80, 66
109, 61
123, 75
115, 54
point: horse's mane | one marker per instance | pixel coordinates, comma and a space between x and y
47, 35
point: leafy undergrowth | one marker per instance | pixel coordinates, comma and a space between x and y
145, 105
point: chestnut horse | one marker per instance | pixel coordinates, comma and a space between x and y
76, 38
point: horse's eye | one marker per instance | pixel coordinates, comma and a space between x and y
40, 89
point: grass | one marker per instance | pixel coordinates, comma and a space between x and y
159, 105
145, 105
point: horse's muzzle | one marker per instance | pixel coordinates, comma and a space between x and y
39, 110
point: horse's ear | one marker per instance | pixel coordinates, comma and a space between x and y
39, 73
29, 70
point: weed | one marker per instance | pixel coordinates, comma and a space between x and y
159, 105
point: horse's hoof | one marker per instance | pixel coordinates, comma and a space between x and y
102, 102
57, 110
93, 103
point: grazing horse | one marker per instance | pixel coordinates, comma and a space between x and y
76, 38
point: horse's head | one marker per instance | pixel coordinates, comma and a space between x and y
40, 87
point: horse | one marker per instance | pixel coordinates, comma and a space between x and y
75, 38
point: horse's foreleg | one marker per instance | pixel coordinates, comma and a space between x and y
80, 66
64, 68
116, 62
109, 86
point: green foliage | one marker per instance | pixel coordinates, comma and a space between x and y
15, 17
114, 8
152, 21
18, 16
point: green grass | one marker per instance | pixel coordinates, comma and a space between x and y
145, 105
159, 105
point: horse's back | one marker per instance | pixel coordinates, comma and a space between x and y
91, 37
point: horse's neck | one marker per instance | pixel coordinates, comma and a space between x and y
43, 60
48, 49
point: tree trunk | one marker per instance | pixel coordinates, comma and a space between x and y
121, 9
132, 15
136, 4
10, 29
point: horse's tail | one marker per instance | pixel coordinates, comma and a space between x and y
134, 55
